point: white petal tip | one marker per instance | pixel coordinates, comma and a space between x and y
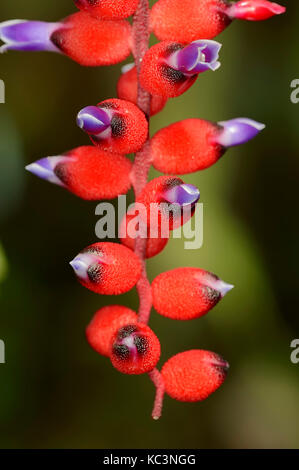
215, 66
224, 288
127, 67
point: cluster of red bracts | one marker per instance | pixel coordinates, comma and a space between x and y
133, 348
100, 34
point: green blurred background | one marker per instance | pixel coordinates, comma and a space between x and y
54, 390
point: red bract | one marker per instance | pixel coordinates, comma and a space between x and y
108, 9
154, 244
105, 323
129, 127
88, 172
193, 375
188, 20
107, 268
93, 42
186, 146
158, 78
127, 88
135, 349
187, 293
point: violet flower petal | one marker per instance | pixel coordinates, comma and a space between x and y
93, 120
183, 194
25, 35
197, 57
211, 49
237, 131
44, 168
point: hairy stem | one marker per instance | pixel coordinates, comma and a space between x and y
157, 380
141, 36
142, 161
140, 173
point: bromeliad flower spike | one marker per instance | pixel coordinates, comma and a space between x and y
99, 34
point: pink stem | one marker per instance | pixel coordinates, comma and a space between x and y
141, 36
158, 381
142, 161
140, 173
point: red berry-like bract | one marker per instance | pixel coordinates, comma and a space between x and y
127, 88
187, 293
153, 246
158, 78
193, 375
157, 211
92, 173
111, 268
105, 323
135, 349
108, 9
186, 146
129, 127
92, 42
189, 20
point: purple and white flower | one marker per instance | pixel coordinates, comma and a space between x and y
182, 194
94, 120
197, 57
45, 168
23, 35
237, 131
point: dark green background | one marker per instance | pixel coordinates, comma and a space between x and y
54, 390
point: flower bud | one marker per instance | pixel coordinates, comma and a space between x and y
195, 144
167, 202
237, 131
22, 35
169, 69
188, 20
107, 268
84, 39
187, 293
115, 125
88, 172
194, 375
130, 227
127, 89
135, 349
108, 9
105, 323
254, 10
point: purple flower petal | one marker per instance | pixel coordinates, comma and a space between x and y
238, 131
197, 57
25, 35
210, 49
93, 120
44, 168
183, 194
188, 57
